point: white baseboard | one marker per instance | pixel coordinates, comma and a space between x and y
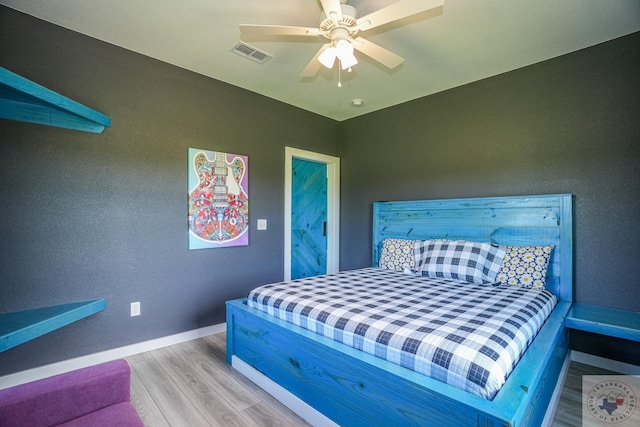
601, 362
105, 356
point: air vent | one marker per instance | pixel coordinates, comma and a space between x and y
251, 53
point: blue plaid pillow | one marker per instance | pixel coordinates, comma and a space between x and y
470, 262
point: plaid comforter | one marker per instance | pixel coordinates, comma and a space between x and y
468, 336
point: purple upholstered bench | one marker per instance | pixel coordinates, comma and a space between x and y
90, 397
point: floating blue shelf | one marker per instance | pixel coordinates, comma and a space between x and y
26, 101
605, 321
21, 326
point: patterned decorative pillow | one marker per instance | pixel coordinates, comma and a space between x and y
525, 266
461, 260
397, 254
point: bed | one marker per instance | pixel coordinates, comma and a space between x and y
331, 382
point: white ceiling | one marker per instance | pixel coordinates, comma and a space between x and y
465, 41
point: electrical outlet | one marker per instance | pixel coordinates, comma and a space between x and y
262, 224
135, 309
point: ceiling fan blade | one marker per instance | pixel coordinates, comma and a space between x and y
314, 65
395, 11
332, 9
278, 30
380, 54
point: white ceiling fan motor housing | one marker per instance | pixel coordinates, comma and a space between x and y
349, 19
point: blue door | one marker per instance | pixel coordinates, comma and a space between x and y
308, 218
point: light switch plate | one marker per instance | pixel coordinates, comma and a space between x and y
262, 224
135, 309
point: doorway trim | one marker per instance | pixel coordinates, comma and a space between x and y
333, 206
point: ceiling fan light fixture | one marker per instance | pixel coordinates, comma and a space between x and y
348, 62
344, 52
328, 57
343, 49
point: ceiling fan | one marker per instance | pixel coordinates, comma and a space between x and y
340, 23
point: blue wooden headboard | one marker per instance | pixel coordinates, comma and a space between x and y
521, 220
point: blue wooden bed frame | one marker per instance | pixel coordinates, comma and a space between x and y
353, 388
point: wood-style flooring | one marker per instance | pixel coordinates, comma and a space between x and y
190, 384
569, 411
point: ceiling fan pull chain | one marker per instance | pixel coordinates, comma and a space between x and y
339, 73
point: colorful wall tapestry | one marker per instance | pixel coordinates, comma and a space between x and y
218, 199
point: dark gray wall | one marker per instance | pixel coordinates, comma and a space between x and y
567, 125
86, 216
